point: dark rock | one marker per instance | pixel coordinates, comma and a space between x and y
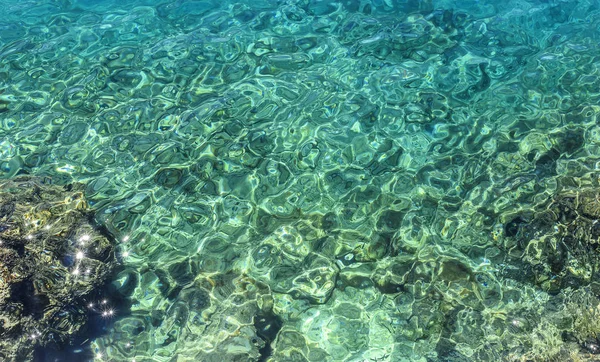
52, 263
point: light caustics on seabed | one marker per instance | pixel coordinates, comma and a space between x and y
299, 180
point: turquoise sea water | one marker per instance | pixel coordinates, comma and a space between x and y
306, 180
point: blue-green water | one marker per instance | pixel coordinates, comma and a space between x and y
305, 180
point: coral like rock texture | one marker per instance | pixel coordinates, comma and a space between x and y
52, 263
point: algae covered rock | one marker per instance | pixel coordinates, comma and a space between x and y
53, 261
559, 242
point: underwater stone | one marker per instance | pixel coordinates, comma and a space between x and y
559, 242
168, 177
73, 133
52, 263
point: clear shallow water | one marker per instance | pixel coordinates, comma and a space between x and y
320, 180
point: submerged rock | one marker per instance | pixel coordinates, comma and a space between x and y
53, 261
560, 241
